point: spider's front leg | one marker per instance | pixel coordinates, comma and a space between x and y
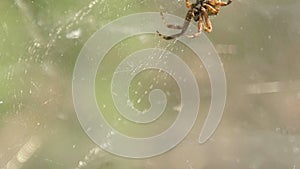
183, 30
188, 4
170, 37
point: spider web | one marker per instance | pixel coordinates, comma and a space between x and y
40, 41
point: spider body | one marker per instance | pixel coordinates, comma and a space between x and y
199, 12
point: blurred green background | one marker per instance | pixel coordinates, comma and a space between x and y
258, 42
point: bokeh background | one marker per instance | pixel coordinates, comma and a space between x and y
258, 42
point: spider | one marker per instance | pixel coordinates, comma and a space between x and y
200, 12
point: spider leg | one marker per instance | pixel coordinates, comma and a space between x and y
169, 25
207, 26
200, 23
225, 3
188, 4
211, 9
185, 26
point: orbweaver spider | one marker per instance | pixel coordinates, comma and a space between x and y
200, 12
